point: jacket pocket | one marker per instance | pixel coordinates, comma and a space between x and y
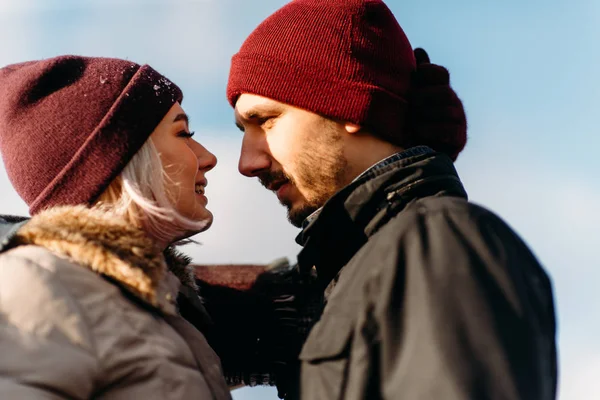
325, 358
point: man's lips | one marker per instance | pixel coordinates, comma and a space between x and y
277, 185
277, 182
282, 191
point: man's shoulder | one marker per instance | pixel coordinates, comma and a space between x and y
449, 205
431, 214
451, 227
445, 239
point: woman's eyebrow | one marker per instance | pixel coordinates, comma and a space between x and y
182, 117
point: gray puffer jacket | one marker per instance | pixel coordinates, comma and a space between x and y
88, 310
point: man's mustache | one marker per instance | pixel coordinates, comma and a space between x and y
274, 179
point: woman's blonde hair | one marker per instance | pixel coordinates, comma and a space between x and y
139, 196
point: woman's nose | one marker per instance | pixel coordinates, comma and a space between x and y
206, 159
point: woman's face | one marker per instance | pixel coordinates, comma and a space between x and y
186, 163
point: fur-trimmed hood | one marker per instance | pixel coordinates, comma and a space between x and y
107, 245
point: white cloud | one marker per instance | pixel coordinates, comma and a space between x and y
15, 35
11, 6
14, 6
580, 376
188, 40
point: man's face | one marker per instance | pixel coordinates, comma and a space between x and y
295, 153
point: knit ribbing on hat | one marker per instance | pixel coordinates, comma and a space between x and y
344, 59
69, 125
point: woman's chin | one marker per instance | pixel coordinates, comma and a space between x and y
208, 222
202, 216
207, 217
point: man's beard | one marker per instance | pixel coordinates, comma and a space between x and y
299, 214
320, 170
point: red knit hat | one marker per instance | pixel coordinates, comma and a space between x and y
344, 59
70, 124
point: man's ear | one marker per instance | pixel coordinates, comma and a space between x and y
352, 128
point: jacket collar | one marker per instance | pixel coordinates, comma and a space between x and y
108, 246
356, 212
9, 225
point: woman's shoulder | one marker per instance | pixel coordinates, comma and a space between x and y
42, 293
29, 265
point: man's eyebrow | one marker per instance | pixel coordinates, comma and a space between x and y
249, 116
182, 117
256, 113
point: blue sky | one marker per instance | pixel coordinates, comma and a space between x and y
528, 74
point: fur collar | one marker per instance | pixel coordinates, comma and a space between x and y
107, 245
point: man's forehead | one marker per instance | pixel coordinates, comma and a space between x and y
249, 104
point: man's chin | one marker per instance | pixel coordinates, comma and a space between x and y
297, 215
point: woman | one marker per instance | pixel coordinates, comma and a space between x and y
101, 151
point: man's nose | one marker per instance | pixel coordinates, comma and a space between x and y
254, 156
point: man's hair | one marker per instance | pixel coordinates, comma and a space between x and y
139, 195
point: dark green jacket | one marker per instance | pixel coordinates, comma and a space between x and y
428, 296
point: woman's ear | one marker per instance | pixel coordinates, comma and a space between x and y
352, 128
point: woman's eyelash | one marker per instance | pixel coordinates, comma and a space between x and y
186, 134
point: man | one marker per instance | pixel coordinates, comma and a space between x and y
427, 296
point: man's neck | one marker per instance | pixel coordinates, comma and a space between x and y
375, 164
365, 152
372, 170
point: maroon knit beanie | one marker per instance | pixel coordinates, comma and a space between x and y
70, 124
436, 115
345, 59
